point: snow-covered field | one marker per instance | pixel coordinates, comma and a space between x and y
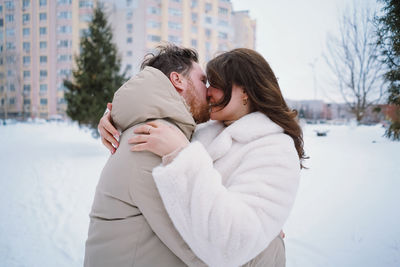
346, 213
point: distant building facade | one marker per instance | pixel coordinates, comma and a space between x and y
209, 26
39, 38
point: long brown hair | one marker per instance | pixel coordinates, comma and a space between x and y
248, 69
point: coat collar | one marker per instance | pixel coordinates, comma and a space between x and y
218, 139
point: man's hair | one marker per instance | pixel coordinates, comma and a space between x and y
170, 58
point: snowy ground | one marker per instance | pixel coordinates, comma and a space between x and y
346, 213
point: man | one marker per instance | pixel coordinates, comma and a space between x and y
193, 90
128, 222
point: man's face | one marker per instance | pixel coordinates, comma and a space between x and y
195, 94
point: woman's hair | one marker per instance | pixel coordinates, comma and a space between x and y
248, 69
169, 58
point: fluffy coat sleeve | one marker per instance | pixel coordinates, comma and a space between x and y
229, 224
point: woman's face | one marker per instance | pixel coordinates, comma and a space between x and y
235, 108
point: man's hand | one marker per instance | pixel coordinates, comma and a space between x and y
109, 135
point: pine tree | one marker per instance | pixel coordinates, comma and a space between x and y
389, 41
96, 76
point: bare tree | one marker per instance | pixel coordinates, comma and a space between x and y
353, 59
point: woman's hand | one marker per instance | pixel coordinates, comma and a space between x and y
159, 138
108, 133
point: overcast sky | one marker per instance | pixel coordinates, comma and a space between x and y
291, 35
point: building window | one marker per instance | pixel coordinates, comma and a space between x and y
12, 88
62, 88
61, 101
10, 59
154, 38
64, 29
129, 53
154, 24
9, 5
27, 88
222, 35
42, 2
174, 39
129, 14
154, 11
64, 58
129, 40
26, 32
194, 43
64, 2
12, 101
10, 32
42, 30
223, 23
26, 46
194, 4
27, 101
43, 74
43, 59
26, 60
43, 45
208, 20
64, 43
85, 18
129, 27
174, 12
222, 11
42, 16
43, 101
208, 33
43, 88
9, 18
174, 25
64, 15
27, 74
25, 3
208, 7
194, 17
86, 3
64, 72
10, 46
194, 29
26, 18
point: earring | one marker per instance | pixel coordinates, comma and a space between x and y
244, 101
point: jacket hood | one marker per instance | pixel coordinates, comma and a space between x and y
147, 96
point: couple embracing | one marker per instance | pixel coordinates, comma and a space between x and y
205, 170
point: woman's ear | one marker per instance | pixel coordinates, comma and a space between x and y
177, 81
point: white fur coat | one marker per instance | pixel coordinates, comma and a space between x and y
231, 190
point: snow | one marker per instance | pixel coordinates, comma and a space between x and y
346, 212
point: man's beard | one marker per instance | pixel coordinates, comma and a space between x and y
200, 112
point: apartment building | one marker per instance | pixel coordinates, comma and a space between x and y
39, 38
209, 26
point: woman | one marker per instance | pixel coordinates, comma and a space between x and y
231, 189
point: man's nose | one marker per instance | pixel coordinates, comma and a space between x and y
209, 91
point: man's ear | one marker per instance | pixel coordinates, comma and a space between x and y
177, 81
